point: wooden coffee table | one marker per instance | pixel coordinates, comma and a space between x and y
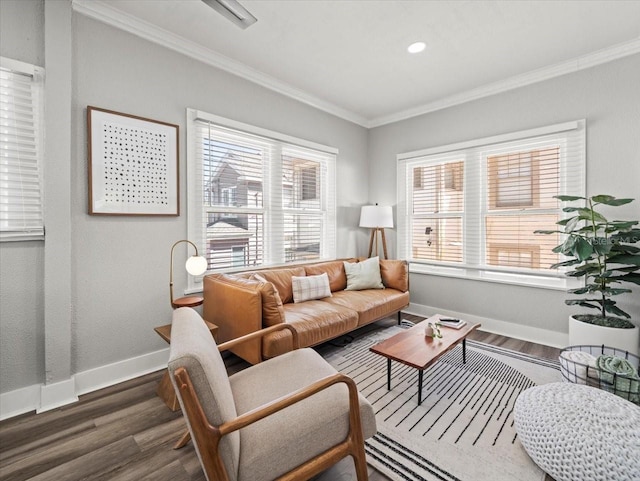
414, 349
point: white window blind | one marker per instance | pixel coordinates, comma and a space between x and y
20, 151
256, 197
471, 209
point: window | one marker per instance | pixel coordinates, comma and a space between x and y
258, 198
438, 209
21, 127
471, 209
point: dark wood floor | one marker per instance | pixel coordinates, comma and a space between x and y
126, 433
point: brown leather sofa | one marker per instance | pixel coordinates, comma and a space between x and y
243, 303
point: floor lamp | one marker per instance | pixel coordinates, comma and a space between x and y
195, 265
376, 218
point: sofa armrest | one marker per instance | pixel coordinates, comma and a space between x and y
235, 306
395, 274
259, 334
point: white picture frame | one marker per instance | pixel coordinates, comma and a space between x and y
133, 165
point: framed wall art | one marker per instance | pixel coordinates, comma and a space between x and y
133, 165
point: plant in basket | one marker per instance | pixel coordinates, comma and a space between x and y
604, 253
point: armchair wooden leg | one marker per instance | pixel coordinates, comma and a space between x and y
184, 439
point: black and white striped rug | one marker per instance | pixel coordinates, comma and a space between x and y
463, 430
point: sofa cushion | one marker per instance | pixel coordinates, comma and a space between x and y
372, 304
363, 275
335, 272
281, 280
308, 288
395, 274
272, 309
314, 321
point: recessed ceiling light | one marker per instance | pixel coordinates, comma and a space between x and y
416, 47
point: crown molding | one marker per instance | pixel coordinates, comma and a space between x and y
100, 11
116, 18
570, 66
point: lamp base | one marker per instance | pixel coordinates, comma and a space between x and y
189, 301
374, 238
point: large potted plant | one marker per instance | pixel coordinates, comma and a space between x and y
602, 252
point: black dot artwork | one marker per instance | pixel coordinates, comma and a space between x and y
135, 166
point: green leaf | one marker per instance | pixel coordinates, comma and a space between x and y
547, 232
601, 245
621, 224
630, 237
580, 302
613, 309
625, 249
582, 249
617, 291
591, 215
602, 198
569, 198
610, 200
571, 209
632, 259
568, 263
572, 224
581, 290
564, 221
631, 277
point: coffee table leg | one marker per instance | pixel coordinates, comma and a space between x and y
464, 351
388, 374
420, 372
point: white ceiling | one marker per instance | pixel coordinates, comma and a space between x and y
349, 57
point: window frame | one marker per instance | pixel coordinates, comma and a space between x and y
273, 208
474, 153
24, 233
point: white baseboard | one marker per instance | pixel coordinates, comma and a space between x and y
495, 326
110, 374
44, 397
57, 394
20, 401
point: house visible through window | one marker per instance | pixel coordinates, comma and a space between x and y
474, 209
438, 208
21, 134
258, 199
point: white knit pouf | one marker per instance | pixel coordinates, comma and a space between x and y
579, 433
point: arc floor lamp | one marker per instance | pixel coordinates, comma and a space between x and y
196, 265
376, 218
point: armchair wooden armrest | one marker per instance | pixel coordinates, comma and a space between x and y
258, 334
208, 436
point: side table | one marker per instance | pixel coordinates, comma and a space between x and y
165, 389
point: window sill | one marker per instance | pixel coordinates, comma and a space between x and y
22, 238
516, 279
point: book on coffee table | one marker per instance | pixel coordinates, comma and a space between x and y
452, 323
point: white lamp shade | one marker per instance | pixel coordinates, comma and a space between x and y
196, 265
374, 216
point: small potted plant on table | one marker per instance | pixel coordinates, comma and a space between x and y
603, 252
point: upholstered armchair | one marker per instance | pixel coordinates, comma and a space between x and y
287, 418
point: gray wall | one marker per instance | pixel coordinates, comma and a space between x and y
121, 276
607, 96
21, 263
115, 286
119, 269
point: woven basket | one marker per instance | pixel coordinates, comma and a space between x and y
627, 387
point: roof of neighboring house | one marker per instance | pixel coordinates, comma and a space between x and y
223, 230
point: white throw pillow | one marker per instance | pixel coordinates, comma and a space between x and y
363, 275
310, 287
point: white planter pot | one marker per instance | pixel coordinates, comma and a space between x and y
581, 333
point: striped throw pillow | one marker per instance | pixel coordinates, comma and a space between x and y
310, 287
